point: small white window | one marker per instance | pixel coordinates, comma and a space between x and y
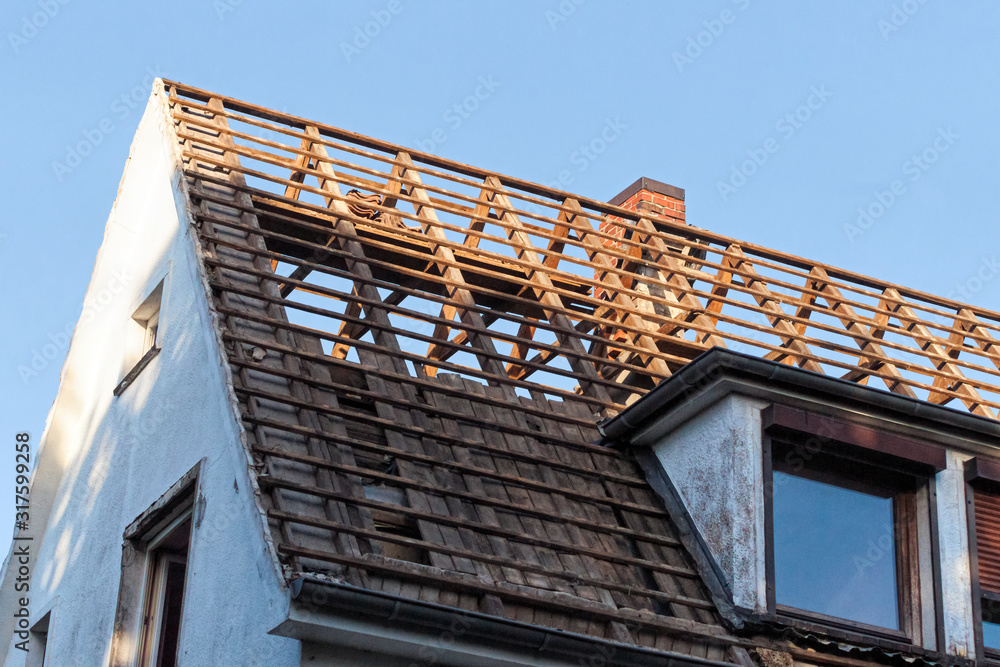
147, 319
164, 594
151, 326
142, 339
38, 642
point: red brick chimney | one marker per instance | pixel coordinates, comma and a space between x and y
650, 198
655, 200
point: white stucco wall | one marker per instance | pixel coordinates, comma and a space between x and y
104, 460
956, 577
324, 655
714, 460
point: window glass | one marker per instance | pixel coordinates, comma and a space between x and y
834, 551
170, 615
991, 634
991, 623
165, 596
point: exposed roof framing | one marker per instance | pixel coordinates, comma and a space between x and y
505, 271
421, 347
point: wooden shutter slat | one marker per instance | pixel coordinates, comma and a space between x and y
988, 540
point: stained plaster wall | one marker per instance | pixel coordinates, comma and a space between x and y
106, 459
714, 460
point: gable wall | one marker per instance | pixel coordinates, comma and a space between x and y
106, 459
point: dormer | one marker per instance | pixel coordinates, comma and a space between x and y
823, 507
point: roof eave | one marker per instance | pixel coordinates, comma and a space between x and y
318, 604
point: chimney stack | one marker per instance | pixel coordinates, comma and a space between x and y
652, 198
649, 198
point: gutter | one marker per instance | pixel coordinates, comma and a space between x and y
719, 362
513, 642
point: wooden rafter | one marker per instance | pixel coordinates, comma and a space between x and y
657, 293
939, 349
458, 291
792, 338
643, 332
544, 291
967, 321
352, 330
802, 314
956, 341
303, 162
346, 237
873, 356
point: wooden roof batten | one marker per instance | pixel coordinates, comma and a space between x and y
421, 350
721, 297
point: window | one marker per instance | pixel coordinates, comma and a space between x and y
150, 328
151, 595
164, 595
147, 323
987, 521
840, 539
984, 533
143, 337
849, 526
39, 640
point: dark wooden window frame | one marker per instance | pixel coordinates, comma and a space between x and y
981, 474
868, 460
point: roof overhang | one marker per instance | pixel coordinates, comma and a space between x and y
340, 614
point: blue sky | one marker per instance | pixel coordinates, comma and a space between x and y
783, 121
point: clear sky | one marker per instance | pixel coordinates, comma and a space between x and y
784, 121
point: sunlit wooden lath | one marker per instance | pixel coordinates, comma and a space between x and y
512, 269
